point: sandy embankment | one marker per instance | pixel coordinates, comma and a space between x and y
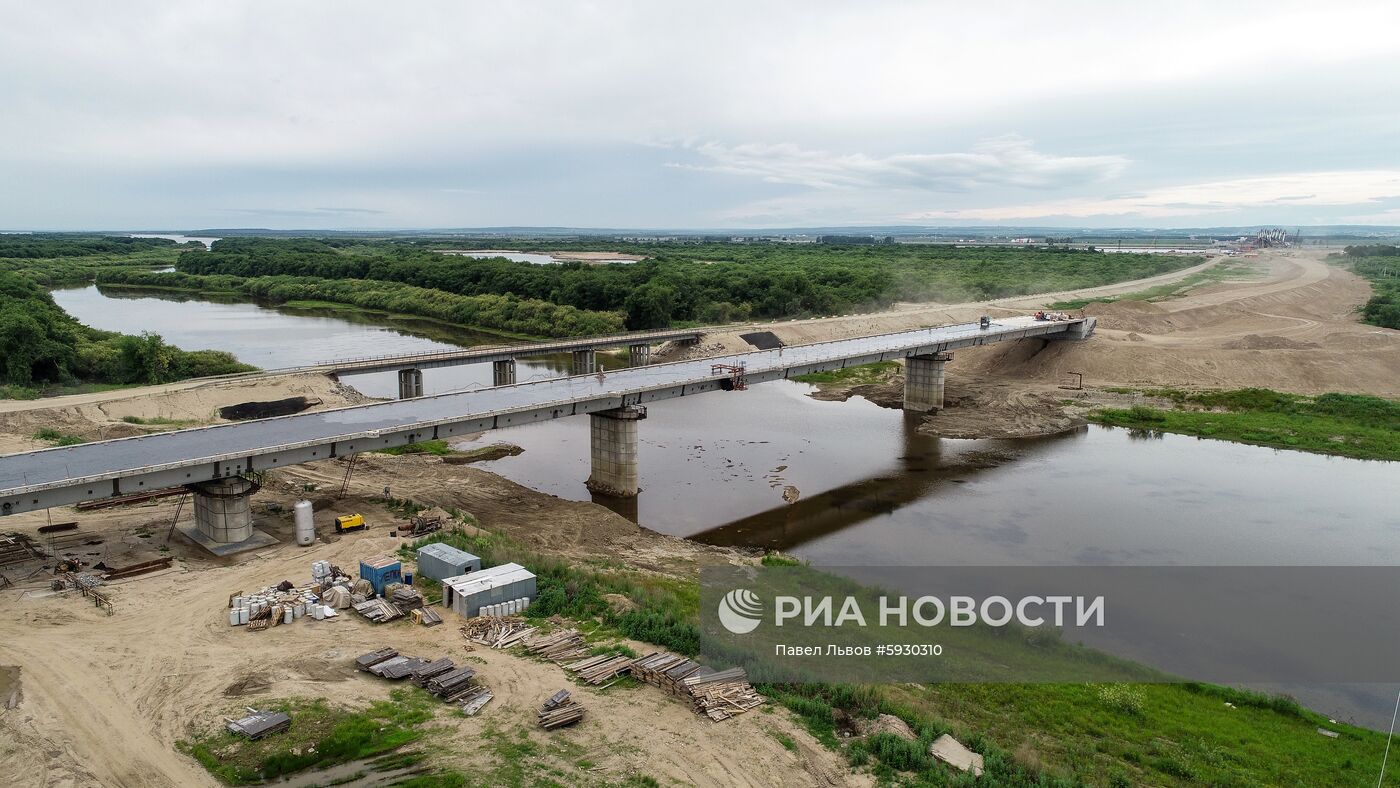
1293, 328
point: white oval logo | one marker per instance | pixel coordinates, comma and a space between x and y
740, 611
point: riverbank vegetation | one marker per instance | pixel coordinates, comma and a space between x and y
59, 259
1380, 264
506, 313
1349, 425
706, 283
1030, 734
42, 346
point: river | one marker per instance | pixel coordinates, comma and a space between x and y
871, 490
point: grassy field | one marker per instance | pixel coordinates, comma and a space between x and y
321, 735
1348, 425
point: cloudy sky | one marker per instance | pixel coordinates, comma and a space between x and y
671, 115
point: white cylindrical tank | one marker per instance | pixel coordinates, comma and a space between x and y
287, 615
233, 617
305, 526
242, 615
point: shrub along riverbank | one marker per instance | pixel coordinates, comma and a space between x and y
1380, 264
42, 346
697, 282
1349, 425
507, 313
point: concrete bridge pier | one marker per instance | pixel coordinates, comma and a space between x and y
638, 355
613, 450
410, 383
923, 381
585, 362
223, 517
503, 372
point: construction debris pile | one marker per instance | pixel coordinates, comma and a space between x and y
502, 632
560, 710
398, 600
86, 585
718, 695
596, 670
440, 677
566, 644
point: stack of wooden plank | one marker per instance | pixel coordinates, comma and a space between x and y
721, 694
560, 710
397, 667
718, 694
475, 699
596, 670
406, 598
566, 644
367, 661
496, 631
427, 617
665, 670
432, 670
452, 685
378, 610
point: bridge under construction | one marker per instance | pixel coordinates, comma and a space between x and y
214, 461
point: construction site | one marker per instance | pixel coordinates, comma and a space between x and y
132, 613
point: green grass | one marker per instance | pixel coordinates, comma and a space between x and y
438, 448
1225, 269
879, 372
1347, 425
58, 438
321, 735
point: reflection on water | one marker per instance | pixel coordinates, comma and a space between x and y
274, 338
714, 467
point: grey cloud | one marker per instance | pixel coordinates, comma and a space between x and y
1000, 161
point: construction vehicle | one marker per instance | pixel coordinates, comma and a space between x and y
350, 522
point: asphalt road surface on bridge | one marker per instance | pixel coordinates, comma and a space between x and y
64, 475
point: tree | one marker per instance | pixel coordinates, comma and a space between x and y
650, 306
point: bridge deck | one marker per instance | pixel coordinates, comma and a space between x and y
481, 355
62, 475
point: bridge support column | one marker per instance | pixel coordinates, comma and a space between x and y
585, 362
638, 355
221, 509
410, 383
503, 372
613, 447
923, 381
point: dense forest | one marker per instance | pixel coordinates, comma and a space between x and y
697, 283
59, 259
505, 313
1380, 264
41, 344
